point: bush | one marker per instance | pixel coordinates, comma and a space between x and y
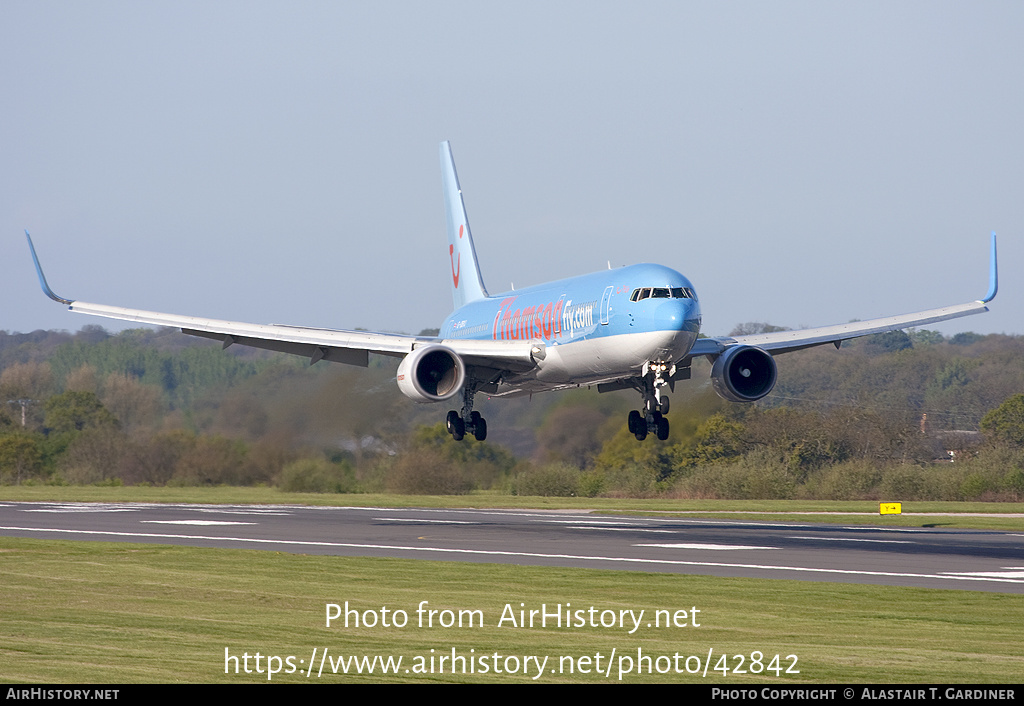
317, 475
852, 480
214, 460
761, 475
426, 472
907, 483
559, 480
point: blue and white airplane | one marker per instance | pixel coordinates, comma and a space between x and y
634, 327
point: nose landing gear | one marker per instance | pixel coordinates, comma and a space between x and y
652, 418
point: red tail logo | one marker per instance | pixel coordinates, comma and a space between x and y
455, 270
451, 254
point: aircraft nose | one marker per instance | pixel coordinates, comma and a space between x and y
680, 319
673, 314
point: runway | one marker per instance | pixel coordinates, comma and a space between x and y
977, 560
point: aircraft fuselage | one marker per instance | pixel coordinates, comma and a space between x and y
594, 327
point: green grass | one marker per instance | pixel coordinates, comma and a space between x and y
121, 613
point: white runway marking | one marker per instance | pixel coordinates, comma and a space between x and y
1011, 572
850, 539
713, 547
64, 509
592, 522
604, 528
461, 511
194, 522
246, 511
134, 507
532, 555
738, 523
435, 522
884, 529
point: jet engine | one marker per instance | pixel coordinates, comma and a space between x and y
743, 374
431, 374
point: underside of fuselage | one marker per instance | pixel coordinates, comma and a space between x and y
597, 360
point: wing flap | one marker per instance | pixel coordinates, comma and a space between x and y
349, 356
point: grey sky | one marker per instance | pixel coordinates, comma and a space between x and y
802, 163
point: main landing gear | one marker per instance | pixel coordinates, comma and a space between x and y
469, 422
652, 417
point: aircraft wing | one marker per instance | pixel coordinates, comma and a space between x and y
340, 346
784, 341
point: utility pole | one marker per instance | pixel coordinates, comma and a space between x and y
24, 405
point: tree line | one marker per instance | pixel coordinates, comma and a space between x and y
907, 416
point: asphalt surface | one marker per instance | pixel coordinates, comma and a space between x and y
977, 560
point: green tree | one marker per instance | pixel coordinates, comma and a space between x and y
75, 410
718, 438
966, 338
1005, 423
925, 337
20, 457
890, 341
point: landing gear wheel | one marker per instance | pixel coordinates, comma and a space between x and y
664, 405
633, 421
480, 428
456, 427
451, 420
662, 429
641, 431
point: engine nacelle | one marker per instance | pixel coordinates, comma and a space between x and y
743, 373
431, 374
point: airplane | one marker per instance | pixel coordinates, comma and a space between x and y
634, 327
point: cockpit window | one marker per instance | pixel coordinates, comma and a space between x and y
661, 293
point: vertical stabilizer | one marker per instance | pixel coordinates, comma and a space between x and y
467, 284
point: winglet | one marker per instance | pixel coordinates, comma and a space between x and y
42, 278
993, 274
